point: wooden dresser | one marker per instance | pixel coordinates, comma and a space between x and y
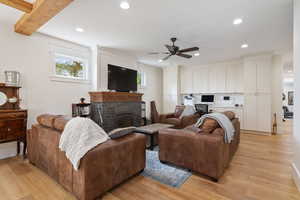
13, 126
13, 120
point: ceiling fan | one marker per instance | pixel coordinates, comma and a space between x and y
175, 50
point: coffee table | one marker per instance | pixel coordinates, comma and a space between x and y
152, 131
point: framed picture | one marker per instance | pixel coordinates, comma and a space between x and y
290, 98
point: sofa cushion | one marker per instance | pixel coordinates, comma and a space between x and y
47, 120
60, 122
120, 132
210, 125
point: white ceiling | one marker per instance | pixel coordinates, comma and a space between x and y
149, 24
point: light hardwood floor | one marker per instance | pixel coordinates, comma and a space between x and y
260, 170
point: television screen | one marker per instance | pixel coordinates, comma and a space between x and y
122, 79
207, 98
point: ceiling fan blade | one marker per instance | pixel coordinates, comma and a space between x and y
167, 57
189, 49
153, 53
157, 53
170, 48
184, 55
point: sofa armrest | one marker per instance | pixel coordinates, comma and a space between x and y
200, 152
162, 117
189, 120
109, 164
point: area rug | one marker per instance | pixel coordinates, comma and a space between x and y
164, 173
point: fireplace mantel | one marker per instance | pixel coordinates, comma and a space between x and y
98, 97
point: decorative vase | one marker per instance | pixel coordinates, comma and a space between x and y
12, 78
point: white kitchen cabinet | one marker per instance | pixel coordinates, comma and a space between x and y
250, 114
264, 113
263, 72
212, 79
257, 105
186, 80
250, 77
231, 78
239, 113
200, 80
220, 79
239, 87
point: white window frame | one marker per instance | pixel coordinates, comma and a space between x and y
143, 80
82, 56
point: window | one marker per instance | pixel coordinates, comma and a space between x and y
141, 79
71, 67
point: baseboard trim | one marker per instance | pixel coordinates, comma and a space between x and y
296, 175
256, 132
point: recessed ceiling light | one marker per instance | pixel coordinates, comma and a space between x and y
160, 60
197, 54
124, 5
79, 29
237, 21
244, 46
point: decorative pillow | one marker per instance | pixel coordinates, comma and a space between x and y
229, 114
47, 120
209, 125
188, 110
120, 132
178, 111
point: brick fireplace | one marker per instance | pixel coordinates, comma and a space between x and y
113, 110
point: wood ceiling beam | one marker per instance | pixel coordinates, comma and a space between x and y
19, 4
42, 12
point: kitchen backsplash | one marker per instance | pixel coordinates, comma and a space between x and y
220, 100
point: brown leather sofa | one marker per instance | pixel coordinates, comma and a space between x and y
173, 118
101, 169
201, 149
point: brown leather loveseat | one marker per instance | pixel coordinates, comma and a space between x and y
102, 168
173, 118
200, 150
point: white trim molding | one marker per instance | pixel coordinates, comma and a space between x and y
296, 175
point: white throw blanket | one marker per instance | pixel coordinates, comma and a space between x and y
79, 136
223, 121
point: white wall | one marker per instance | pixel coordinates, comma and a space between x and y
153, 90
31, 56
296, 160
277, 75
171, 88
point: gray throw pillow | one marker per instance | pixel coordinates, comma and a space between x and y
120, 132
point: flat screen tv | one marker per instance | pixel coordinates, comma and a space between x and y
122, 79
208, 98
